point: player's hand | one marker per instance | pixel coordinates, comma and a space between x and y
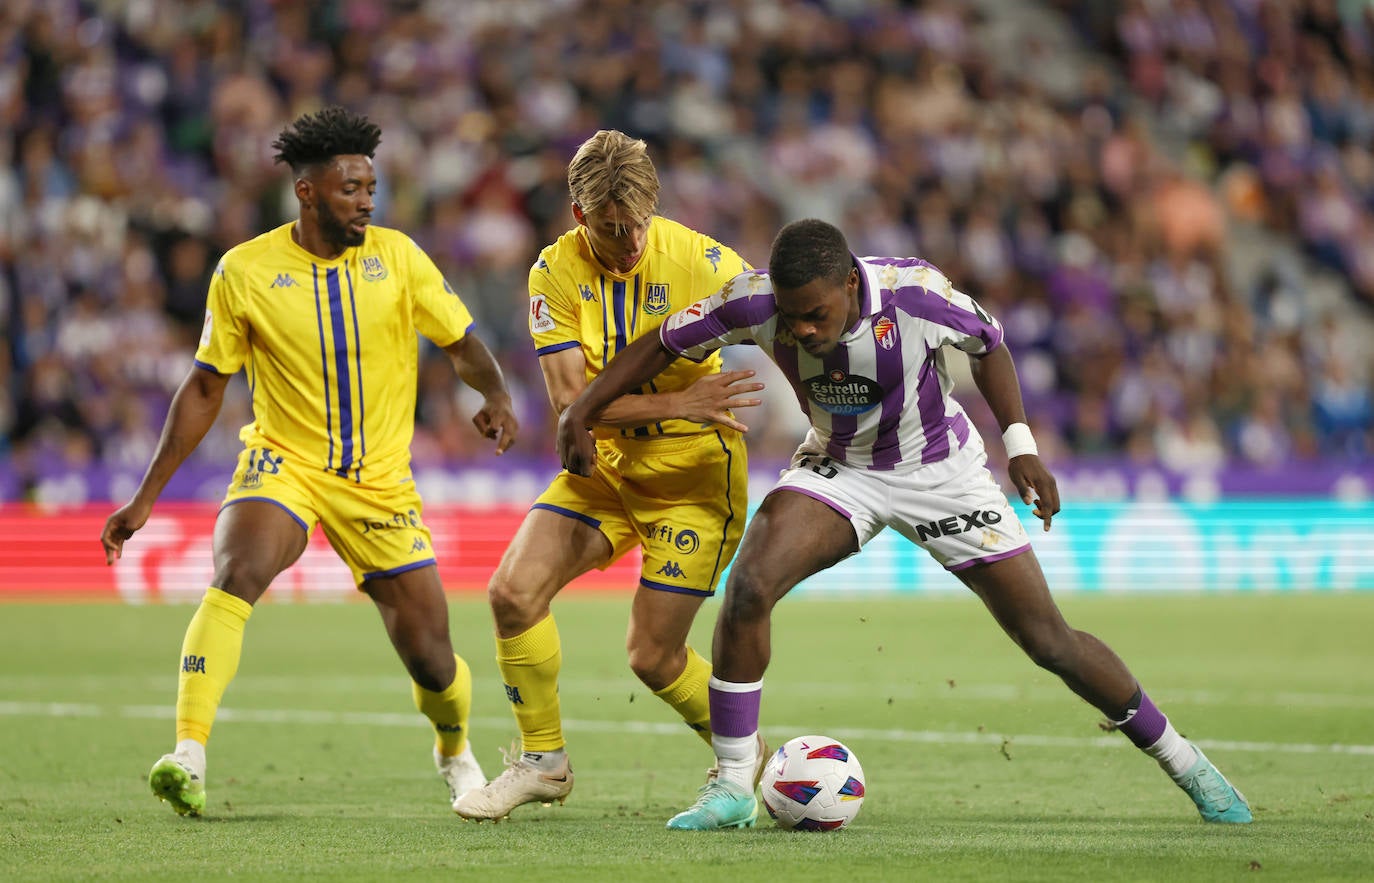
1036, 485
120, 526
711, 398
497, 420
576, 447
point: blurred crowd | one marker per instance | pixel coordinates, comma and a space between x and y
135, 137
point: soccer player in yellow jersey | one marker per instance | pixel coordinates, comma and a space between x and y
671, 476
322, 314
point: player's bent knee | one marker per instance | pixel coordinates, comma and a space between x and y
657, 666
243, 579
747, 598
514, 611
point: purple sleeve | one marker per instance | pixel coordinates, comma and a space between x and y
719, 320
957, 320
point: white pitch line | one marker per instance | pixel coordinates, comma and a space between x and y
395, 719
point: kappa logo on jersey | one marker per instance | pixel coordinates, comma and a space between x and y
513, 694
418, 545
656, 298
374, 270
844, 394
542, 264
713, 255
540, 320
283, 280
586, 292
193, 663
672, 570
974, 520
885, 332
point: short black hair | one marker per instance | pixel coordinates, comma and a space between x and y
314, 138
806, 250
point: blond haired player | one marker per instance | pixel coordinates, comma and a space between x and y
671, 476
322, 315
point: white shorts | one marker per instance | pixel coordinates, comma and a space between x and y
954, 510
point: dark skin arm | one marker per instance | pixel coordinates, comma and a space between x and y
477, 367
194, 409
631, 368
995, 376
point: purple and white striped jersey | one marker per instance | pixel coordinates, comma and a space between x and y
881, 398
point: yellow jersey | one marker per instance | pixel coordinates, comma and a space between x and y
330, 347
575, 301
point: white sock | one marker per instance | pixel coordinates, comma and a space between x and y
546, 761
193, 753
736, 759
1174, 753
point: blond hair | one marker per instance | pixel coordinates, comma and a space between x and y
611, 166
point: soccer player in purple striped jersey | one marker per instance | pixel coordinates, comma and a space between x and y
863, 342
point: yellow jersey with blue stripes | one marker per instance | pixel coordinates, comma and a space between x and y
330, 347
576, 302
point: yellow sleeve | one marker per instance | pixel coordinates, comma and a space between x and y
439, 313
224, 337
717, 265
553, 315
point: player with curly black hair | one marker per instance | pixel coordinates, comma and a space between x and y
322, 315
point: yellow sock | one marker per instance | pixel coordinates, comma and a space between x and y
448, 711
209, 660
689, 695
529, 664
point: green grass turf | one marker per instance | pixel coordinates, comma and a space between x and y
979, 766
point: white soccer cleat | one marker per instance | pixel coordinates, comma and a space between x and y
176, 779
522, 782
462, 773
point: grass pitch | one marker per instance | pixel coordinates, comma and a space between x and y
979, 766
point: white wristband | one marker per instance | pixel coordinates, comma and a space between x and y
1018, 441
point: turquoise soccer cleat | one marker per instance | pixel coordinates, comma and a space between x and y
1217, 799
719, 805
175, 782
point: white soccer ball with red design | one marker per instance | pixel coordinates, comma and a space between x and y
813, 783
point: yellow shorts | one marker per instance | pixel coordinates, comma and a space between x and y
683, 500
377, 531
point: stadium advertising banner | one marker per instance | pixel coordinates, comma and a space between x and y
1251, 545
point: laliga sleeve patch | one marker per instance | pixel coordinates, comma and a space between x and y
207, 329
540, 320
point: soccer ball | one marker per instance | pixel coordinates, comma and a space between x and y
813, 783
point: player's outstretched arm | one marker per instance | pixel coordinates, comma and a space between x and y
194, 408
632, 367
478, 369
995, 375
709, 399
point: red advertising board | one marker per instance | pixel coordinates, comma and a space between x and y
56, 553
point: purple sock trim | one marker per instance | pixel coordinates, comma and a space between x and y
1146, 725
735, 714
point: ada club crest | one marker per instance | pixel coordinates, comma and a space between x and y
373, 268
656, 298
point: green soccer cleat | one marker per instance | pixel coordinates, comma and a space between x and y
719, 805
1217, 799
173, 780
